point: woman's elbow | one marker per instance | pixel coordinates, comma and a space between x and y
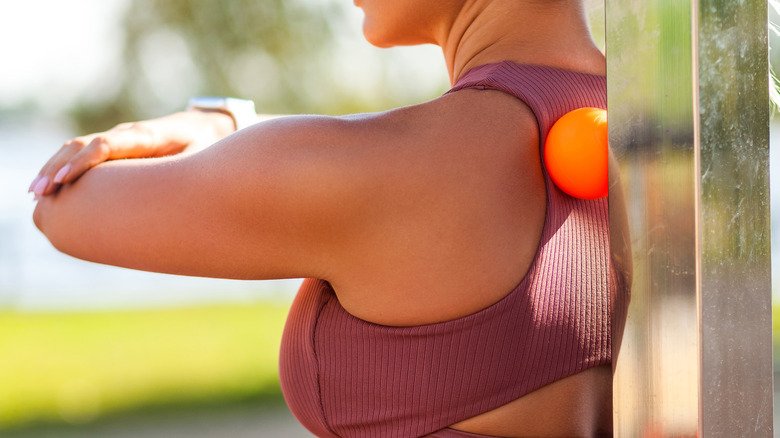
38, 214
42, 216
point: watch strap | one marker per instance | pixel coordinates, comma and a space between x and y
241, 110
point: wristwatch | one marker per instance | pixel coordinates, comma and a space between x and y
241, 110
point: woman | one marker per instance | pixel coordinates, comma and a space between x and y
451, 289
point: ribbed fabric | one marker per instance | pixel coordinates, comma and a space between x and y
449, 432
344, 376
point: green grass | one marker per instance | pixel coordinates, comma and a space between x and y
78, 367
776, 333
74, 368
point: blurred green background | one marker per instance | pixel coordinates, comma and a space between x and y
91, 350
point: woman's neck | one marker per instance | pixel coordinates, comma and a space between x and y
548, 32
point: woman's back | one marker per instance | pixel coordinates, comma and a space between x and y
468, 185
456, 265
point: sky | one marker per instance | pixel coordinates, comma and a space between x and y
55, 46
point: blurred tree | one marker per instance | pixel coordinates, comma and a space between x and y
276, 52
289, 56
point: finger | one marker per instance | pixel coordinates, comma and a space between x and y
96, 152
126, 140
43, 183
56, 158
67, 150
57, 163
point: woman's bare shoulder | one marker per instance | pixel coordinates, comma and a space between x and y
454, 179
458, 112
459, 132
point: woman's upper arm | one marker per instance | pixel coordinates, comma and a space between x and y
280, 199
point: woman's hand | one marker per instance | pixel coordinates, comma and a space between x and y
186, 131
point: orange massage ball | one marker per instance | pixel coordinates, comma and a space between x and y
575, 153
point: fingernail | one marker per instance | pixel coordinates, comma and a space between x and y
41, 185
32, 184
61, 174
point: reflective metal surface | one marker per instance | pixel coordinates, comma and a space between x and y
736, 308
688, 121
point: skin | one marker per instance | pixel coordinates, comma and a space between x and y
414, 215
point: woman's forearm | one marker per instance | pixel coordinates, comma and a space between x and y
280, 199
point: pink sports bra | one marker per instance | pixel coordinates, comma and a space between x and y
344, 376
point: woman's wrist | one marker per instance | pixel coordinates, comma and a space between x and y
197, 129
221, 123
207, 125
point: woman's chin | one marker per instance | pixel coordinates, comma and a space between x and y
375, 38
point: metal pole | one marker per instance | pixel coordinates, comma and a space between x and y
688, 124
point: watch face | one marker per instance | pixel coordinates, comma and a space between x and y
208, 102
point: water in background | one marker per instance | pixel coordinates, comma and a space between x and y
35, 276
